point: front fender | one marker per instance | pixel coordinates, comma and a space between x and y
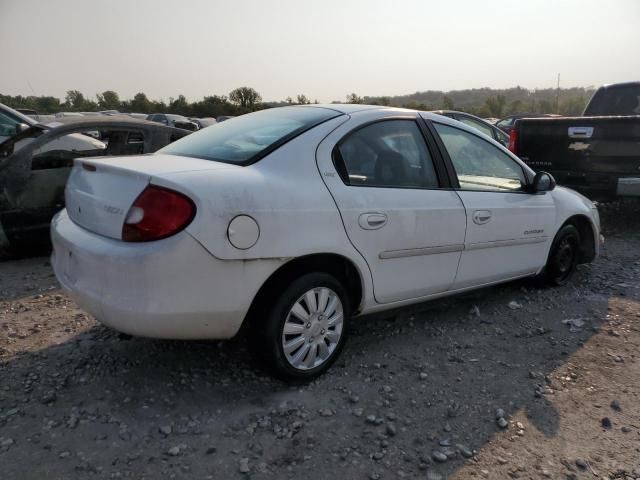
569, 204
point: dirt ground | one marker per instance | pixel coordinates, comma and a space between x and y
414, 395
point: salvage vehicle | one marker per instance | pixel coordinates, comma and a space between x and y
291, 221
59, 115
139, 116
597, 154
478, 123
176, 121
29, 112
35, 164
203, 122
506, 124
13, 123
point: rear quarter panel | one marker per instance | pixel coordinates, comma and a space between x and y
283, 193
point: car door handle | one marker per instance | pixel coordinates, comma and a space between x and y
372, 220
481, 217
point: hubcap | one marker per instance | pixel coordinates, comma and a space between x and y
313, 328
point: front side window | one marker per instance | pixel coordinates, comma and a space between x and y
479, 165
390, 153
244, 139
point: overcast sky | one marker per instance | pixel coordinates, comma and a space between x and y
322, 48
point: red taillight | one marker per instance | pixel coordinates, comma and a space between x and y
513, 137
157, 213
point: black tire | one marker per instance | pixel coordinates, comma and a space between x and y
266, 335
563, 257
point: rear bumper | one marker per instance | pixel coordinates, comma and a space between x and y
171, 288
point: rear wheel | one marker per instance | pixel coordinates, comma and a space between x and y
563, 257
305, 328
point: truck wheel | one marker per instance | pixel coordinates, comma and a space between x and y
563, 256
306, 327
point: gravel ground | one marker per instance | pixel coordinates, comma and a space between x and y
508, 382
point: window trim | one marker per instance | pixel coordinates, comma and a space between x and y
434, 152
451, 169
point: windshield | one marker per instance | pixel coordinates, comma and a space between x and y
246, 139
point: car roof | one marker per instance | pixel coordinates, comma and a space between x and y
350, 108
346, 108
457, 112
448, 121
430, 115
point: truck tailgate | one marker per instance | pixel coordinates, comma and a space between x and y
586, 153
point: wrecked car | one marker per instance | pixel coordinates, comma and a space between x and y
289, 221
36, 161
12, 123
177, 121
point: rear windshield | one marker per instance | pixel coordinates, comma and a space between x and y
247, 138
623, 100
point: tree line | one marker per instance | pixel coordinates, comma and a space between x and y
488, 102
240, 100
483, 102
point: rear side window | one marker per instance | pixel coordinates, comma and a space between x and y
391, 153
247, 138
479, 165
624, 100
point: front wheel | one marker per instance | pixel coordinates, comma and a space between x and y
305, 329
563, 257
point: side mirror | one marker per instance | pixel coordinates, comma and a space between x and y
21, 127
543, 182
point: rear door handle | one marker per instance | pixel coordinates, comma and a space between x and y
372, 220
481, 217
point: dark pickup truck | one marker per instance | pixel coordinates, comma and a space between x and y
597, 154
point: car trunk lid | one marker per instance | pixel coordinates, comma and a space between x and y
100, 192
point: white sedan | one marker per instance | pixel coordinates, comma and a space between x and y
294, 220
